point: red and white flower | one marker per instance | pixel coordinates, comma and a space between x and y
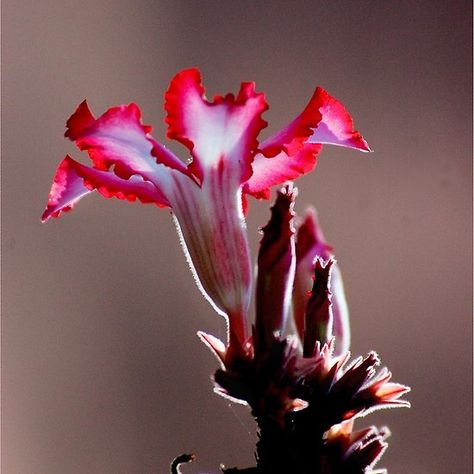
207, 195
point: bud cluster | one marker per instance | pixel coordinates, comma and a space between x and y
303, 393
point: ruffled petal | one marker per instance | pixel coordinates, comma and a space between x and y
336, 126
110, 185
324, 120
219, 133
292, 152
67, 189
118, 139
268, 172
290, 139
222, 137
74, 180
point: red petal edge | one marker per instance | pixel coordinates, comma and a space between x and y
192, 119
73, 181
324, 120
268, 172
336, 126
119, 138
66, 190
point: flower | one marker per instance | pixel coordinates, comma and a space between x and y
207, 195
304, 397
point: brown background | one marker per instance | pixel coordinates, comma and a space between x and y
102, 372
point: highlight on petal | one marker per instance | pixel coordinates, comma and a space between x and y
336, 126
222, 137
119, 139
292, 152
324, 120
222, 133
108, 184
67, 189
268, 172
291, 138
74, 180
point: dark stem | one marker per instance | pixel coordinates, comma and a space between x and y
184, 458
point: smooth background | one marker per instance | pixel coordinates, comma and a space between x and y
102, 371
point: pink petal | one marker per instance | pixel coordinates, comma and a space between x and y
292, 152
110, 185
268, 172
221, 136
219, 133
119, 139
74, 180
324, 120
290, 139
67, 189
336, 126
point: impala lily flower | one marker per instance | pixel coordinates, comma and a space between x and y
304, 399
206, 196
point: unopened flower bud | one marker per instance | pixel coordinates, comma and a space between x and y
276, 266
318, 315
310, 244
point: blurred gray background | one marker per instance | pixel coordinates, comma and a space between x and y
102, 371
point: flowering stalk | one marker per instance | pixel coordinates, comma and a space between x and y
305, 401
302, 390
